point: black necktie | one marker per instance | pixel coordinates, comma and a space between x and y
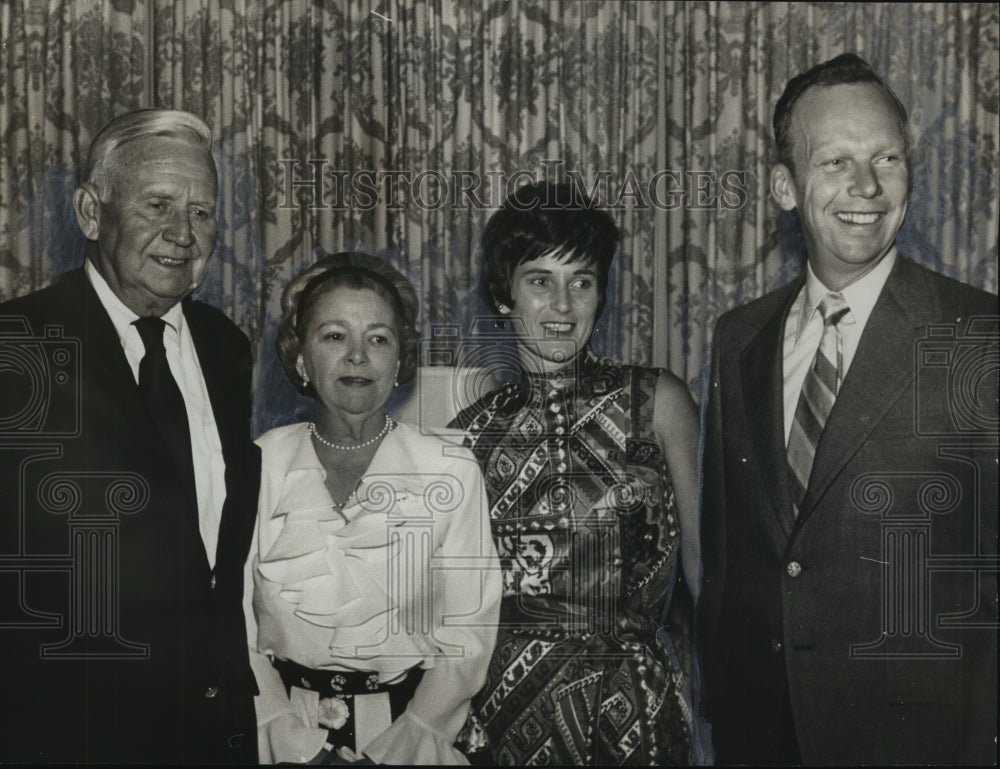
163, 396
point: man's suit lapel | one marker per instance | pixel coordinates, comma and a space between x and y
881, 372
108, 372
110, 376
763, 378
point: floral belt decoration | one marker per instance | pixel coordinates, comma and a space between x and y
334, 711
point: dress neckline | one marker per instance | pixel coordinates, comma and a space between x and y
565, 380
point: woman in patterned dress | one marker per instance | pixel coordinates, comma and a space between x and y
591, 472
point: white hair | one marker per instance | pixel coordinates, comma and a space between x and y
103, 159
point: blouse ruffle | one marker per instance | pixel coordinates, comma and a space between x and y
322, 594
333, 573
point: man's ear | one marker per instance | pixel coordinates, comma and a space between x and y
88, 210
783, 186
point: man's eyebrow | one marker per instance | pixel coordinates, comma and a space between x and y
157, 190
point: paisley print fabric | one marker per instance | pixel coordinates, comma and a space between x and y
582, 513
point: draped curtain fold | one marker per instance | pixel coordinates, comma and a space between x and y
396, 127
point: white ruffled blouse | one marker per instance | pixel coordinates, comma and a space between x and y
405, 574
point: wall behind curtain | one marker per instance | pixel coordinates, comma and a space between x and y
662, 109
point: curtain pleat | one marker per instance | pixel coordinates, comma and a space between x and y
395, 127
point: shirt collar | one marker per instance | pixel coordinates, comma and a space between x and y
860, 295
121, 316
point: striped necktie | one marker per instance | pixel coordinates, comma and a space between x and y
819, 391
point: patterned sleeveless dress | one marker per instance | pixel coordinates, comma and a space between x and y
582, 513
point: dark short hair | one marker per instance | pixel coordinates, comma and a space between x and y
538, 219
350, 269
845, 69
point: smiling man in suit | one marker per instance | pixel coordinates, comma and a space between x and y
129, 493
849, 607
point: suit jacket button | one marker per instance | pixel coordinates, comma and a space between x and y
776, 646
793, 568
211, 691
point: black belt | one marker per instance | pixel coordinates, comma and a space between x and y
330, 683
346, 686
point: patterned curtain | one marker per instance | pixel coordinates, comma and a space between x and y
396, 127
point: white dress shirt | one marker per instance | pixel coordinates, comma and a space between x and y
206, 448
804, 327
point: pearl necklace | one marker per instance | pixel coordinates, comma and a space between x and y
389, 424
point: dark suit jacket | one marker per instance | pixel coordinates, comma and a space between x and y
119, 642
876, 607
